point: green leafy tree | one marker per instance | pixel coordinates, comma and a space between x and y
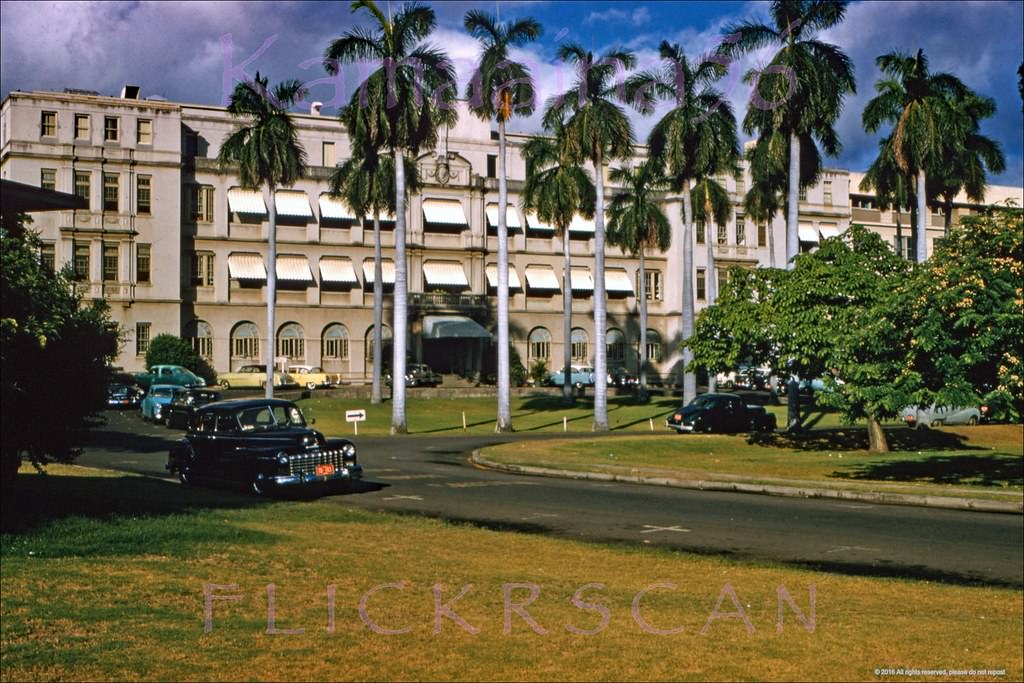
167, 349
499, 89
266, 151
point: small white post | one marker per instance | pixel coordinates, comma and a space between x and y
651, 420
565, 423
356, 425
463, 420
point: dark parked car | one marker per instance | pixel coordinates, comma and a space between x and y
418, 375
619, 376
123, 395
181, 408
721, 413
261, 443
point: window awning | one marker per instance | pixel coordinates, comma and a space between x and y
292, 203
535, 224
246, 201
444, 212
444, 274
294, 269
334, 208
511, 217
828, 231
513, 277
581, 280
808, 233
338, 270
616, 280
541, 277
246, 267
581, 224
387, 270
453, 327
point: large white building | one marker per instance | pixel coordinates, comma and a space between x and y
174, 245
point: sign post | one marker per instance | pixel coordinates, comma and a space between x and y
355, 417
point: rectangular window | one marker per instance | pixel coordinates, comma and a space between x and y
652, 285
336, 348
828, 193
580, 351
48, 178
48, 256
723, 234
803, 194
111, 129
492, 165
110, 191
762, 235
142, 331
110, 263
699, 227
702, 287
48, 124
328, 151
144, 132
741, 231
291, 347
723, 280
245, 347
740, 184
81, 126
654, 350
202, 269
143, 261
82, 186
540, 350
144, 194
904, 246
81, 262
202, 203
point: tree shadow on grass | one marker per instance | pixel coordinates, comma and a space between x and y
975, 470
856, 439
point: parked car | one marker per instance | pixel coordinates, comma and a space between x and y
254, 377
169, 374
580, 376
123, 395
158, 397
179, 411
264, 444
418, 375
720, 413
935, 416
312, 376
619, 376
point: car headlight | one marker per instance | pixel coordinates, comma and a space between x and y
348, 450
282, 458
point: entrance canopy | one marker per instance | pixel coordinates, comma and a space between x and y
452, 327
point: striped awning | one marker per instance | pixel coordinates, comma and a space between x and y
541, 277
617, 281
387, 270
338, 270
581, 280
808, 233
582, 225
511, 217
535, 223
444, 274
294, 269
444, 212
246, 201
292, 203
334, 208
246, 267
828, 231
492, 277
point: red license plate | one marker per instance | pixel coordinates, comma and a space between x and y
324, 470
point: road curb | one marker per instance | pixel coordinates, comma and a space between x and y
944, 502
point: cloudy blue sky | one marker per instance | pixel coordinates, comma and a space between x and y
191, 51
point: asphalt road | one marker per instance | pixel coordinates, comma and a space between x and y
432, 476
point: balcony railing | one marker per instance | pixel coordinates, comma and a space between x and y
447, 301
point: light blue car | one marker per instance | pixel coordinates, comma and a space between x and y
157, 399
581, 376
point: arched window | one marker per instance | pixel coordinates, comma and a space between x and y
615, 345
385, 336
201, 337
245, 342
334, 344
291, 342
539, 345
580, 345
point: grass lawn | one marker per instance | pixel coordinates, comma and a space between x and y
103, 577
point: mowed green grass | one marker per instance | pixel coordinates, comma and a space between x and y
103, 578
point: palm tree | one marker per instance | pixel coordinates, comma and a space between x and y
637, 223
798, 97
697, 138
712, 207
498, 89
401, 106
893, 188
597, 130
919, 105
267, 151
556, 190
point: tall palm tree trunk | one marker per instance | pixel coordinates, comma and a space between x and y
504, 423
643, 327
398, 341
921, 241
711, 283
771, 242
793, 208
689, 378
376, 395
600, 306
567, 319
899, 234
271, 292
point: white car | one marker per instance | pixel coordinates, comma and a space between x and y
313, 376
936, 416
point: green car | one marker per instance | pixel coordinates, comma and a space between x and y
169, 374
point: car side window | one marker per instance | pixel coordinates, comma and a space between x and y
207, 423
226, 424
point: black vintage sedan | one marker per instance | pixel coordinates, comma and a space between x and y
183, 406
720, 413
264, 444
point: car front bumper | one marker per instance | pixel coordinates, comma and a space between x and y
346, 473
678, 426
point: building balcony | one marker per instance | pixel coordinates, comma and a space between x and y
447, 301
108, 291
735, 251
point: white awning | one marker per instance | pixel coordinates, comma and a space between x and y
535, 223
581, 224
541, 277
513, 277
294, 269
444, 274
808, 233
246, 267
335, 208
828, 231
581, 280
339, 270
511, 217
292, 203
616, 280
246, 201
387, 270
444, 212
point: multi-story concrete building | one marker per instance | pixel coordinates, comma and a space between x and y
175, 245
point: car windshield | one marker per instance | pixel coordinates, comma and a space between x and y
163, 391
704, 402
269, 418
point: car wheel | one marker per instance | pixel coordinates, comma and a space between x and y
226, 385
936, 423
259, 487
263, 384
311, 385
167, 422
972, 420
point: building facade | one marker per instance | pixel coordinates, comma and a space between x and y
175, 245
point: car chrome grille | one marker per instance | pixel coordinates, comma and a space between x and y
305, 463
